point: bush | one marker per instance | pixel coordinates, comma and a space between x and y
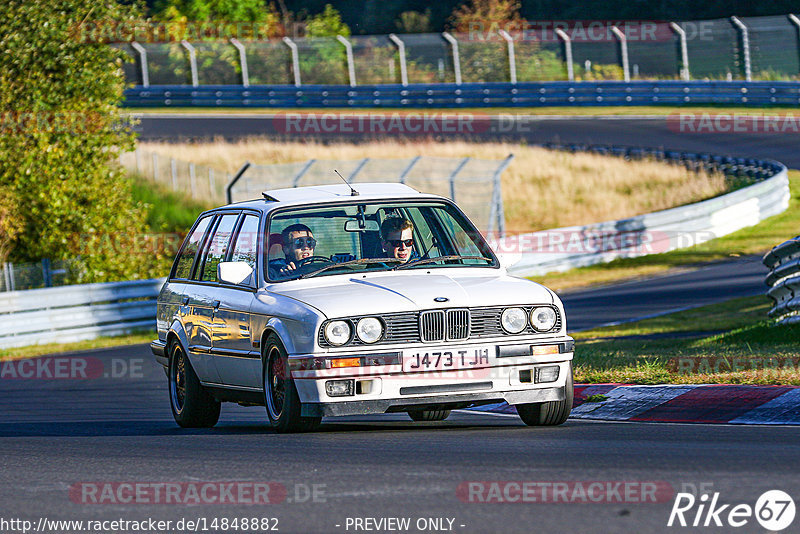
59, 95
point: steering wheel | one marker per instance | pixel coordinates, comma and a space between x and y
313, 259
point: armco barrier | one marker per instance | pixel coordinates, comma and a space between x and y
468, 95
784, 280
74, 313
577, 246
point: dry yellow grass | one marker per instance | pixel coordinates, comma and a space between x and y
541, 188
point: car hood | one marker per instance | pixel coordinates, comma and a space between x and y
342, 296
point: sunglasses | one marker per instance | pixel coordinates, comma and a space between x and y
300, 242
396, 242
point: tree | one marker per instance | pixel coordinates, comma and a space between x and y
414, 22
59, 95
327, 24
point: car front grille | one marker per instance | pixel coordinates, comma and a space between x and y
442, 325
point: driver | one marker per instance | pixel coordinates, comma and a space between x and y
298, 244
397, 238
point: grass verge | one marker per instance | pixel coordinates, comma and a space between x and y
143, 336
752, 350
541, 188
757, 239
567, 111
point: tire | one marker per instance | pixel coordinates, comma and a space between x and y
192, 405
280, 394
549, 413
429, 415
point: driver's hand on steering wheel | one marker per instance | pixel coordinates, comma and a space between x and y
289, 267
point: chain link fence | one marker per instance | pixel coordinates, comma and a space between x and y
46, 273
761, 48
473, 183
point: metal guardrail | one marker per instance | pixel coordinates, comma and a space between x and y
784, 281
566, 248
78, 312
468, 95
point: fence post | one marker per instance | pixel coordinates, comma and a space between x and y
453, 175
567, 53
401, 51
684, 51
6, 277
143, 60
303, 171
138, 157
456, 57
351, 67
174, 170
295, 60
212, 187
47, 277
748, 75
623, 43
500, 210
407, 170
242, 62
229, 189
11, 282
155, 166
192, 178
357, 170
512, 58
192, 61
796, 22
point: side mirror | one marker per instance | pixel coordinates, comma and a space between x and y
353, 225
239, 273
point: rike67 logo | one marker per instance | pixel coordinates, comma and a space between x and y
774, 510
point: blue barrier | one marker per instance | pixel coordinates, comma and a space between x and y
469, 95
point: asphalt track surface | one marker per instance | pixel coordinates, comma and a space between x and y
117, 427
645, 131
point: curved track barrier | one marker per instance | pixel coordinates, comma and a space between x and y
468, 95
577, 246
78, 312
784, 281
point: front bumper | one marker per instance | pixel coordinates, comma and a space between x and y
512, 374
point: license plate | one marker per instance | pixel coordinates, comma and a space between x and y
445, 359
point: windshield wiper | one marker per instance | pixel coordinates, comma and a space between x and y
351, 262
441, 258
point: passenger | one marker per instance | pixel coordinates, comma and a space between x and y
397, 238
298, 244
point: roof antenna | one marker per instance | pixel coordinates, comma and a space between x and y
353, 192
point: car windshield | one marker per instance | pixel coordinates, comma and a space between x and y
371, 236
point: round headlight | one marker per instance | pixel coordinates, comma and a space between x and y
514, 320
369, 329
543, 319
337, 332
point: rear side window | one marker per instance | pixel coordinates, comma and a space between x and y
217, 248
246, 247
185, 260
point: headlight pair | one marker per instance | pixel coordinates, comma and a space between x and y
368, 330
514, 320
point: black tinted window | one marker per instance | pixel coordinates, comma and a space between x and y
185, 260
217, 248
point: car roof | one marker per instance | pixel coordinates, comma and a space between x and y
321, 194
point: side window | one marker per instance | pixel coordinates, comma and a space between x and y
185, 260
246, 247
217, 248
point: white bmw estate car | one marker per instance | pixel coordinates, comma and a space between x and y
327, 301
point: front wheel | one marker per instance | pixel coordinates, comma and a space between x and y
192, 405
429, 415
549, 413
280, 393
